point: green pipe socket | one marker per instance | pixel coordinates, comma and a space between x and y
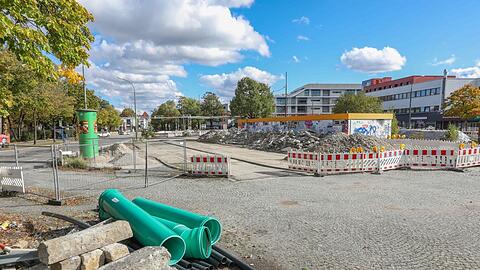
189, 219
146, 229
197, 240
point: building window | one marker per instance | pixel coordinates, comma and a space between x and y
326, 93
316, 93
280, 109
306, 93
302, 101
325, 109
436, 108
336, 92
426, 109
437, 91
325, 101
301, 109
280, 100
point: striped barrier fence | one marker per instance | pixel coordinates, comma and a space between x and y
340, 162
302, 161
214, 165
11, 179
468, 157
428, 158
333, 163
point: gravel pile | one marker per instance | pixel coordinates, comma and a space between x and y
283, 141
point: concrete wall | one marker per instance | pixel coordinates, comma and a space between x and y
319, 127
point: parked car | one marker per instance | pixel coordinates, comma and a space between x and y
105, 133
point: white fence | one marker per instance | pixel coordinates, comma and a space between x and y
11, 179
213, 165
388, 160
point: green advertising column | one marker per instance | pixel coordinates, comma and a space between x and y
87, 133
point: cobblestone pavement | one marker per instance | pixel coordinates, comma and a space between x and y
397, 220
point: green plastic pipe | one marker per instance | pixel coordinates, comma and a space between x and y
197, 240
146, 229
189, 219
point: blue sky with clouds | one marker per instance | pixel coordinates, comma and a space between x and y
170, 48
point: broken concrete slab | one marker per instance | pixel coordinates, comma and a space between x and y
114, 252
61, 248
147, 258
92, 260
72, 263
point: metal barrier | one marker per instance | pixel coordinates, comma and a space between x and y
302, 161
213, 165
11, 179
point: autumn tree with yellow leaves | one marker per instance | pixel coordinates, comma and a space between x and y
464, 103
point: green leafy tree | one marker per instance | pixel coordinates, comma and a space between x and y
127, 112
211, 105
395, 128
464, 103
192, 107
32, 30
252, 99
109, 118
359, 103
166, 109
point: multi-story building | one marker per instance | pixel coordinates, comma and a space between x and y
312, 99
424, 96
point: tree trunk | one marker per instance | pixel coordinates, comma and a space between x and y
54, 135
11, 129
34, 127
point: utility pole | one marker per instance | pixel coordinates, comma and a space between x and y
286, 93
410, 107
134, 105
84, 89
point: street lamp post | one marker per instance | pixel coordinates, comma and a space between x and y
134, 105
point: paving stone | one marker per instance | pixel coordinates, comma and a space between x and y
114, 252
92, 260
147, 258
72, 263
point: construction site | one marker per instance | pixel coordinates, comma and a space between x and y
244, 198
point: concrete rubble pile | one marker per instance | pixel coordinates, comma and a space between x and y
304, 140
98, 248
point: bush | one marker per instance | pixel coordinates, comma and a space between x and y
149, 133
452, 133
75, 163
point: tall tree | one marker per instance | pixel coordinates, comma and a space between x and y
359, 103
127, 112
192, 107
464, 102
109, 118
32, 30
167, 109
211, 105
252, 99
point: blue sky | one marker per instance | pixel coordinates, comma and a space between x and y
189, 47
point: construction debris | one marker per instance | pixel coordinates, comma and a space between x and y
283, 141
148, 258
61, 248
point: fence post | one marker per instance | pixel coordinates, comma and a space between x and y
184, 156
146, 163
57, 200
15, 150
379, 154
134, 157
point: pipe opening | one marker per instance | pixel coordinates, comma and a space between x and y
215, 229
176, 247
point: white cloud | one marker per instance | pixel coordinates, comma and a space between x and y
295, 59
302, 20
468, 72
269, 39
149, 42
224, 84
232, 3
448, 61
304, 38
372, 60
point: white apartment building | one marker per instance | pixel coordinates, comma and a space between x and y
424, 95
312, 99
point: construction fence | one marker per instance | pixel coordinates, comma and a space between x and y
58, 172
335, 163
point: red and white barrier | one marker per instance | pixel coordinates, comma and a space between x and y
216, 165
468, 157
389, 160
302, 161
340, 162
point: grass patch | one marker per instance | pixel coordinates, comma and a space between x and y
75, 163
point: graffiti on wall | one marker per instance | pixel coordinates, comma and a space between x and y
377, 128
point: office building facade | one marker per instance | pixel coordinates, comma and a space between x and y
424, 96
312, 99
